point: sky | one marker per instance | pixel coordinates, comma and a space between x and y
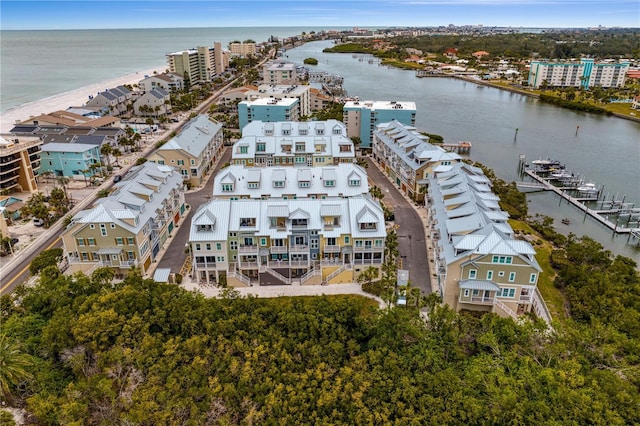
95, 14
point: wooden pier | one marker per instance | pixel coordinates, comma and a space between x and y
578, 202
462, 147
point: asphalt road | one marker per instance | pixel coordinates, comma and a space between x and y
411, 233
175, 255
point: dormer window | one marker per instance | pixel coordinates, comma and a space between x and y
329, 183
337, 131
261, 147
321, 148
204, 228
243, 149
247, 222
286, 148
299, 222
345, 148
354, 182
278, 184
299, 146
227, 187
319, 131
302, 131
304, 184
253, 185
368, 226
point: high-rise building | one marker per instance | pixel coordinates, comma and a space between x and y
19, 163
362, 117
201, 64
585, 74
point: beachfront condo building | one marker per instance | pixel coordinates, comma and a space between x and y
284, 91
408, 158
19, 163
281, 241
293, 144
199, 65
362, 117
268, 110
155, 103
584, 74
128, 228
479, 263
279, 72
289, 183
77, 161
170, 82
194, 151
242, 49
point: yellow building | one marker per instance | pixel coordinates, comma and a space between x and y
194, 150
19, 163
128, 228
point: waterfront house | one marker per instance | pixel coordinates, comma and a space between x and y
408, 158
169, 82
128, 228
116, 100
155, 103
480, 264
72, 160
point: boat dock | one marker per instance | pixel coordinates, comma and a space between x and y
590, 194
462, 147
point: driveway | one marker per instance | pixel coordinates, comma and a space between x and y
411, 231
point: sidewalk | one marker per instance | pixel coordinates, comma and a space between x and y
284, 290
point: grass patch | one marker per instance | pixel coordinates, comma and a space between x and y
553, 297
403, 65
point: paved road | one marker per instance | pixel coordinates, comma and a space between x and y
411, 232
174, 255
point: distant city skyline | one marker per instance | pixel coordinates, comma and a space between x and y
98, 14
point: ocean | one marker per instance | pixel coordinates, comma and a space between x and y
37, 64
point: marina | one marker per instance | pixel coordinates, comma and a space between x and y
586, 196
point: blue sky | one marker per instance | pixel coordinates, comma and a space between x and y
26, 14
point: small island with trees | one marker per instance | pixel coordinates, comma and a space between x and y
310, 61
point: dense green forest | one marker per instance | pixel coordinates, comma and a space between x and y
82, 350
553, 45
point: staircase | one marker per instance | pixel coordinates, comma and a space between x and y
312, 273
239, 276
506, 309
267, 274
338, 271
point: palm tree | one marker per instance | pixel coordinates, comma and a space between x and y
85, 172
106, 150
13, 366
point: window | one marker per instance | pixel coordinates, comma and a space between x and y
512, 277
227, 187
354, 182
263, 241
120, 241
130, 255
198, 247
501, 274
507, 292
489, 275
113, 226
103, 229
378, 243
244, 149
331, 241
358, 243
180, 162
80, 242
207, 246
233, 245
367, 244
502, 259
278, 184
300, 160
300, 241
85, 256
472, 274
303, 184
92, 241
329, 183
533, 278
299, 147
220, 258
131, 241
253, 185
261, 147
347, 240
466, 292
218, 246
247, 222
92, 226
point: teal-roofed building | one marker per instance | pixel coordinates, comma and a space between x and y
268, 110
69, 159
362, 117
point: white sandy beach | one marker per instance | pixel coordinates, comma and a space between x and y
62, 101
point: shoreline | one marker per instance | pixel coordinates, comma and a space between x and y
75, 97
527, 93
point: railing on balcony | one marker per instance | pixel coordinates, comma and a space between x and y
525, 298
279, 249
247, 249
299, 263
331, 262
248, 265
205, 265
483, 300
128, 263
299, 248
331, 248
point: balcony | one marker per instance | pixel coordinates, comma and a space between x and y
299, 263
365, 248
205, 265
278, 249
332, 248
299, 248
247, 265
480, 300
242, 249
367, 261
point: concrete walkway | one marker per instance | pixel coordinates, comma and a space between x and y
284, 290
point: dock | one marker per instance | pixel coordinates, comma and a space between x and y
462, 147
543, 184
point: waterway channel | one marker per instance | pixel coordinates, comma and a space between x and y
605, 150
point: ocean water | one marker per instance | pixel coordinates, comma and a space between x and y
38, 64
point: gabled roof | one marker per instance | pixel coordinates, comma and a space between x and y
195, 136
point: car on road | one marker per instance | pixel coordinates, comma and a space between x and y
117, 178
38, 222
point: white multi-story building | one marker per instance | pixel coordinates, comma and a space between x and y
278, 242
279, 72
290, 183
283, 91
300, 144
584, 74
242, 49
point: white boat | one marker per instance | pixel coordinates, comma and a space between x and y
561, 174
588, 188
